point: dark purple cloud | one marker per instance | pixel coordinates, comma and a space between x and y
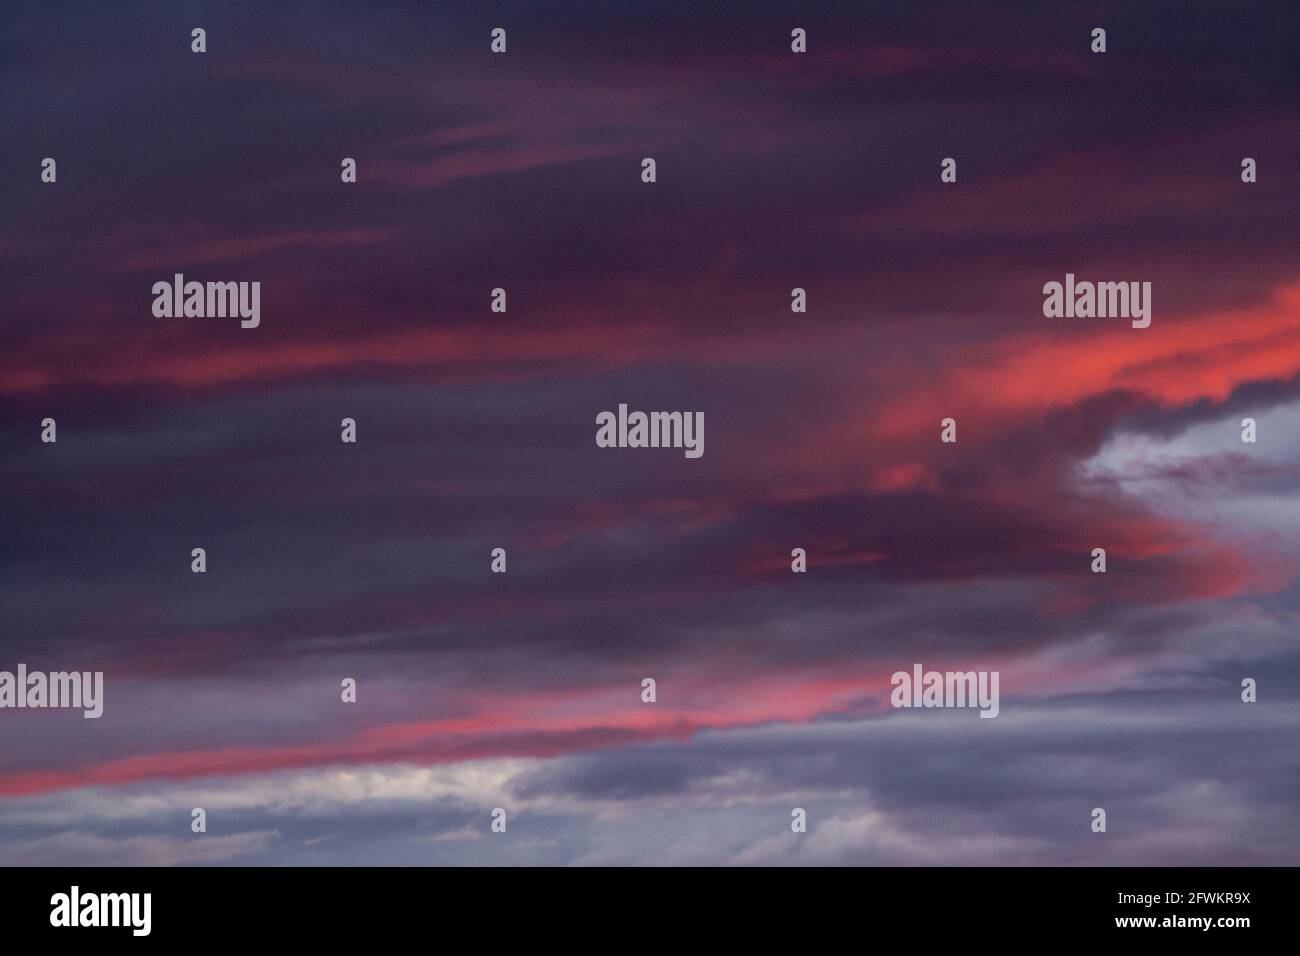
476, 429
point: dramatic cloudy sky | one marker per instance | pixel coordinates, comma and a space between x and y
476, 431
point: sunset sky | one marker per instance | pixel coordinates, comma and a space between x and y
476, 430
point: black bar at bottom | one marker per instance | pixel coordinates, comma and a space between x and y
667, 907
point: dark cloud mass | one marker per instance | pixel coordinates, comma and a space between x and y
476, 431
